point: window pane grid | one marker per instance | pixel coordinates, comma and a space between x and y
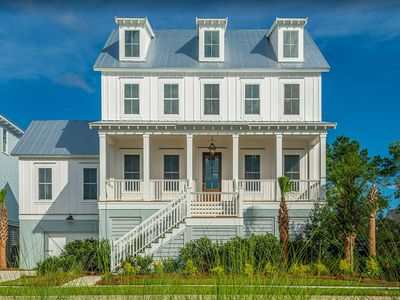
292, 167
45, 184
171, 166
292, 99
211, 99
171, 99
132, 43
131, 99
131, 167
291, 44
211, 43
252, 99
89, 183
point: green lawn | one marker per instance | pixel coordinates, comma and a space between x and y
51, 279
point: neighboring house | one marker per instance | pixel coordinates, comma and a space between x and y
9, 136
394, 214
196, 127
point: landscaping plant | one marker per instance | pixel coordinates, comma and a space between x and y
3, 230
283, 215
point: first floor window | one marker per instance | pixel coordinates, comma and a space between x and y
171, 171
211, 43
5, 141
132, 43
171, 99
291, 99
211, 99
89, 183
291, 44
131, 99
45, 184
252, 99
252, 172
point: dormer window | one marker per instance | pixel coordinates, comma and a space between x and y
132, 43
211, 43
211, 35
290, 44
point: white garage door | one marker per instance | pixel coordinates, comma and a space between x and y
54, 242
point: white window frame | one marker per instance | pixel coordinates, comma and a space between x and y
54, 181
300, 31
80, 180
121, 96
221, 98
300, 116
245, 152
202, 57
121, 158
132, 30
5, 145
219, 45
263, 104
181, 98
142, 47
298, 43
182, 162
303, 161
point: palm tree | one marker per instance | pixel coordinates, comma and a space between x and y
372, 200
3, 230
283, 217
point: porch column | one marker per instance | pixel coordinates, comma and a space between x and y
102, 165
235, 158
189, 158
279, 162
322, 147
146, 166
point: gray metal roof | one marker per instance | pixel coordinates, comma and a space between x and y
58, 138
178, 49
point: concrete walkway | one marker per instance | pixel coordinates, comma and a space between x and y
83, 281
8, 275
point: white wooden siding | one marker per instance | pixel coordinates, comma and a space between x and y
170, 249
258, 226
122, 225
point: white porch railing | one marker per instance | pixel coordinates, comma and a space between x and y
304, 190
258, 190
166, 189
225, 204
124, 189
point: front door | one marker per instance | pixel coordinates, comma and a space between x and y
211, 172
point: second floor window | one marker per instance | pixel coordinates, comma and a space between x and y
211, 99
5, 141
132, 43
45, 184
89, 184
171, 99
290, 44
291, 99
131, 99
252, 99
211, 43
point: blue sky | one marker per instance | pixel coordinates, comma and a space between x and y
48, 50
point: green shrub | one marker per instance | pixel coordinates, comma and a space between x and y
158, 267
390, 267
55, 264
202, 252
128, 269
171, 265
320, 269
372, 267
345, 267
269, 269
140, 265
298, 269
217, 271
190, 268
248, 270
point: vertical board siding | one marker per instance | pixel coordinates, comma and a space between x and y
171, 248
9, 176
120, 226
258, 226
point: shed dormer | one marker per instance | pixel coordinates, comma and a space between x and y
135, 35
211, 34
287, 39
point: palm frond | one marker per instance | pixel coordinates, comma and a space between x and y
3, 193
284, 185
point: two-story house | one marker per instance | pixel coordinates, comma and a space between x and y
10, 133
196, 126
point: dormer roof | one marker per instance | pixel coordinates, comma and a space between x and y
135, 22
210, 22
297, 22
11, 126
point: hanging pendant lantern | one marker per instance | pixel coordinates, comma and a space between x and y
211, 150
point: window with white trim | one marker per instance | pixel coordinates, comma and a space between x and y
45, 184
132, 43
252, 99
291, 99
211, 43
171, 99
5, 141
131, 99
211, 99
89, 183
252, 172
131, 166
171, 171
292, 166
290, 44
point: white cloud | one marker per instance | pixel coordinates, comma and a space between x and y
74, 80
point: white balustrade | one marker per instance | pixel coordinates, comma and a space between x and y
258, 190
304, 190
210, 204
124, 189
166, 189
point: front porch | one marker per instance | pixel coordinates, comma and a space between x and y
160, 167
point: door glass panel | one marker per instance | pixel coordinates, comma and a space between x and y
212, 173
